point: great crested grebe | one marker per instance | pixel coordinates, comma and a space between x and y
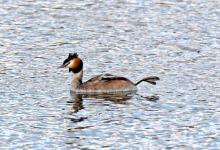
104, 83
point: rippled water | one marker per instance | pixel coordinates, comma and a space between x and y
179, 41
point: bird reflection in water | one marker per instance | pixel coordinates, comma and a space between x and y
117, 98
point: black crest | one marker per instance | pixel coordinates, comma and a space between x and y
70, 57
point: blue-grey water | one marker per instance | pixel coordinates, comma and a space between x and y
179, 41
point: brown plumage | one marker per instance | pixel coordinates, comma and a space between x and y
108, 82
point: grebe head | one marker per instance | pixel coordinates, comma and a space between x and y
73, 62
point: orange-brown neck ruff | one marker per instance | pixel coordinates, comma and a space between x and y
76, 66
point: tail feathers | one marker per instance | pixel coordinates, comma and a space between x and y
151, 80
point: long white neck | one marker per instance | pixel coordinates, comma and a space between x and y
77, 79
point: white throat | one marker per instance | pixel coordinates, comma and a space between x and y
77, 79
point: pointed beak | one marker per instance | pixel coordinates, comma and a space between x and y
62, 66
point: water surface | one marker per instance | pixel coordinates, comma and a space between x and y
175, 40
